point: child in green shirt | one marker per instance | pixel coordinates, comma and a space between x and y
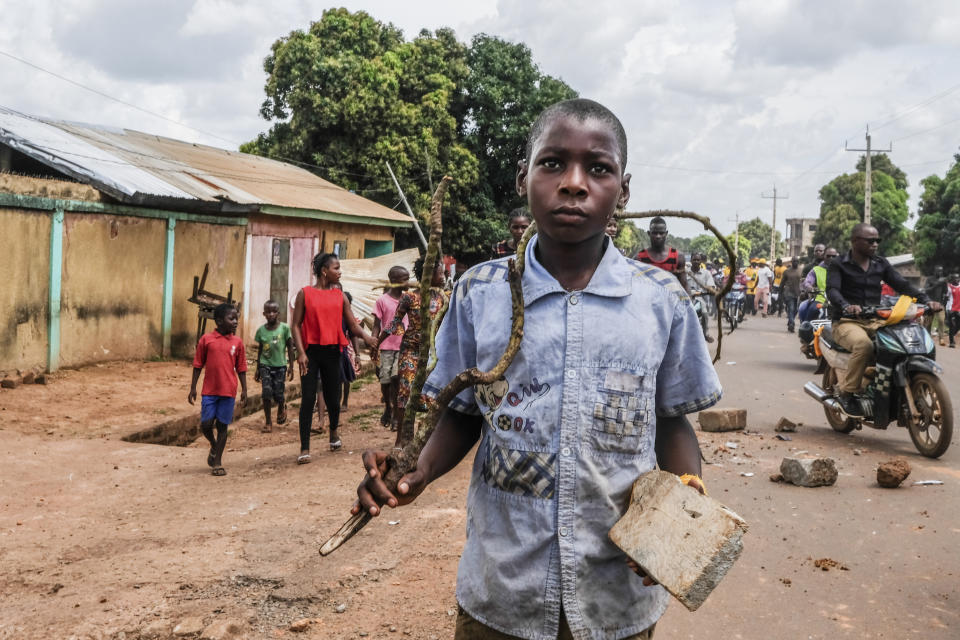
274, 351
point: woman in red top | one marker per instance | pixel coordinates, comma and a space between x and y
317, 326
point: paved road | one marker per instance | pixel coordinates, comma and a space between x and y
900, 546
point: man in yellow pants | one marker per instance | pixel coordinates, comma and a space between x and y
853, 282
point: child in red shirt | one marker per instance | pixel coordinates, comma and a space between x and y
222, 353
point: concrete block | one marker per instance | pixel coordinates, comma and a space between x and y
685, 541
722, 419
29, 377
10, 382
809, 472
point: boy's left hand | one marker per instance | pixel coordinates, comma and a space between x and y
290, 372
243, 396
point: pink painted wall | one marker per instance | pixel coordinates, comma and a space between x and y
301, 270
261, 248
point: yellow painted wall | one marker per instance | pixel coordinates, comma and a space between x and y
112, 292
197, 244
24, 265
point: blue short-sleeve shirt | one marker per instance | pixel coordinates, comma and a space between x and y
565, 434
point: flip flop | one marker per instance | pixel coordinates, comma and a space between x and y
281, 416
267, 428
218, 471
336, 446
210, 458
303, 458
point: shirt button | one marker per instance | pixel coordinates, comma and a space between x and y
574, 299
563, 531
571, 373
565, 451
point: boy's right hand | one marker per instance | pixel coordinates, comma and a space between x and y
256, 375
373, 491
192, 396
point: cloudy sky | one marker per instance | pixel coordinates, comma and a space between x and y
721, 100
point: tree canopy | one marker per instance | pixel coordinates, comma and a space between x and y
841, 207
350, 94
937, 232
758, 233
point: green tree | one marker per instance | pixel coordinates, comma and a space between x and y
504, 93
841, 206
350, 94
717, 252
758, 233
937, 232
701, 243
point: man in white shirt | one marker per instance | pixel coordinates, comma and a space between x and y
764, 283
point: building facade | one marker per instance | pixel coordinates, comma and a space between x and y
800, 233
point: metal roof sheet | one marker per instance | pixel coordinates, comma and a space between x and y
138, 167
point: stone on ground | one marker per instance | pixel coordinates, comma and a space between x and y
188, 627
300, 625
10, 382
684, 540
891, 473
722, 419
809, 472
222, 630
786, 425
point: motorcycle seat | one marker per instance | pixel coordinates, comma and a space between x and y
826, 335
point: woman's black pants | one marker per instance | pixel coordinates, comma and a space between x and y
324, 359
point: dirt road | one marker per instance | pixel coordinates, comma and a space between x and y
102, 538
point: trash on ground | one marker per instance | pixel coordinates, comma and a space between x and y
780, 436
927, 482
748, 474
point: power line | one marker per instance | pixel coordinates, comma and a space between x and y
919, 105
109, 97
918, 133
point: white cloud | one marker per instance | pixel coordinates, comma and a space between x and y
752, 92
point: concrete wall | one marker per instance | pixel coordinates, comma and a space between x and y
197, 244
112, 288
24, 265
327, 232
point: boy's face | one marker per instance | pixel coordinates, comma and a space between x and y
573, 180
228, 324
517, 226
400, 277
271, 312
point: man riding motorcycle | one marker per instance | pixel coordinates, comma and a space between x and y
815, 285
853, 282
700, 282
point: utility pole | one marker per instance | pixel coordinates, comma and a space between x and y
416, 225
773, 227
868, 177
736, 239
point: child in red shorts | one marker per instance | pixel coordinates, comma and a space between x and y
223, 355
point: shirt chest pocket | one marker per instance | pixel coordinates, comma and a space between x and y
621, 408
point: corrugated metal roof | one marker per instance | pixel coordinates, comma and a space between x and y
140, 168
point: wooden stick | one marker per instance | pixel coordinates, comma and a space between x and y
403, 461
705, 221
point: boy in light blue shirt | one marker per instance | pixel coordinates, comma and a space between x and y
611, 361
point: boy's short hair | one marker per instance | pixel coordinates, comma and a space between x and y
519, 212
657, 220
581, 109
271, 303
396, 273
221, 310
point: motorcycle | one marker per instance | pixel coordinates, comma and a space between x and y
809, 328
701, 304
734, 304
904, 385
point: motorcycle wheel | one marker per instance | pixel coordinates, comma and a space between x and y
733, 320
836, 418
931, 435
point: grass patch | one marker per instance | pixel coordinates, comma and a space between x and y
359, 383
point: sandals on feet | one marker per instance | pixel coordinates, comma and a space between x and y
218, 471
281, 416
336, 446
303, 458
267, 428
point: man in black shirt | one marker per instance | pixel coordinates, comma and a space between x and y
853, 282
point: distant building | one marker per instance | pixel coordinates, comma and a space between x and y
800, 235
907, 267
